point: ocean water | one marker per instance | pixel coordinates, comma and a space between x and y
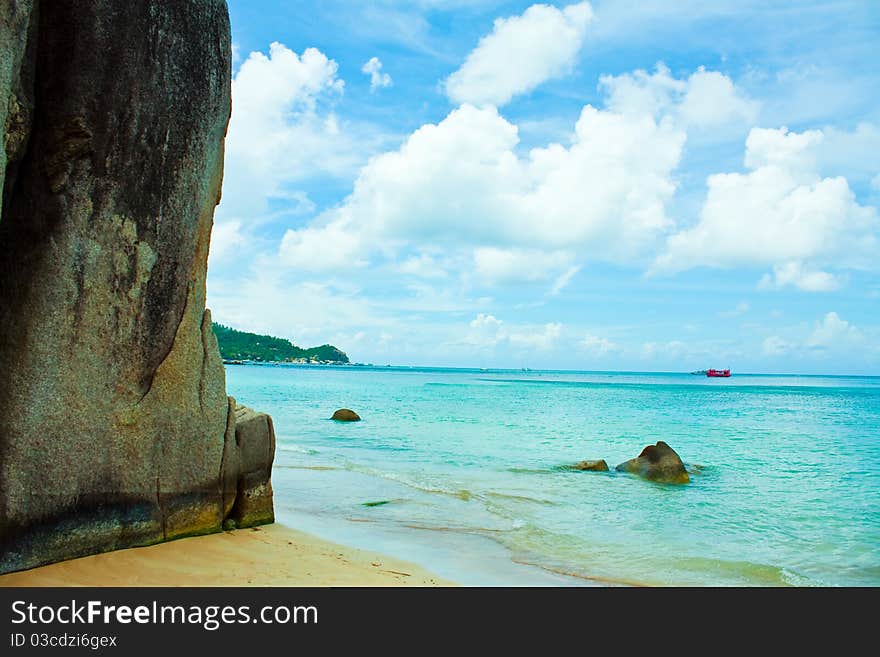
788, 491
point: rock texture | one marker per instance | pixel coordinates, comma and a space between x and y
255, 442
17, 25
593, 466
658, 463
345, 415
116, 429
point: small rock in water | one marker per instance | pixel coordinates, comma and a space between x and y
594, 466
345, 415
658, 463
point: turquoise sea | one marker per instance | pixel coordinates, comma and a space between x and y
464, 467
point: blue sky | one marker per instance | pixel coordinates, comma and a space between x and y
571, 185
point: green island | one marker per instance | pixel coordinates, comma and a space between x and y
238, 346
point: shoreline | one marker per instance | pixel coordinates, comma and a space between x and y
269, 555
468, 559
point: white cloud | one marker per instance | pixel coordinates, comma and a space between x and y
563, 280
321, 248
796, 275
852, 153
496, 265
226, 239
483, 322
487, 331
707, 99
283, 130
461, 182
833, 332
266, 301
423, 265
520, 53
711, 99
464, 187
829, 336
597, 346
780, 212
373, 68
542, 339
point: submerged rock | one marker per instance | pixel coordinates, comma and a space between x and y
345, 415
594, 466
658, 463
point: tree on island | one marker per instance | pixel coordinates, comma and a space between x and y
240, 345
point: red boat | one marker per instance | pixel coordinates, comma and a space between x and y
718, 373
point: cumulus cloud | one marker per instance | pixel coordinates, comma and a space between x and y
711, 99
706, 99
321, 248
283, 130
463, 185
780, 213
833, 332
794, 274
378, 79
831, 335
542, 339
423, 265
852, 153
520, 53
276, 128
487, 331
461, 182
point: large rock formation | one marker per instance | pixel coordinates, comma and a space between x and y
115, 427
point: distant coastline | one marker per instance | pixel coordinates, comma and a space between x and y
538, 371
240, 347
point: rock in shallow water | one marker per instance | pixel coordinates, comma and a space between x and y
593, 466
658, 463
346, 415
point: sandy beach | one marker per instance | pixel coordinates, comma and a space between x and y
272, 555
